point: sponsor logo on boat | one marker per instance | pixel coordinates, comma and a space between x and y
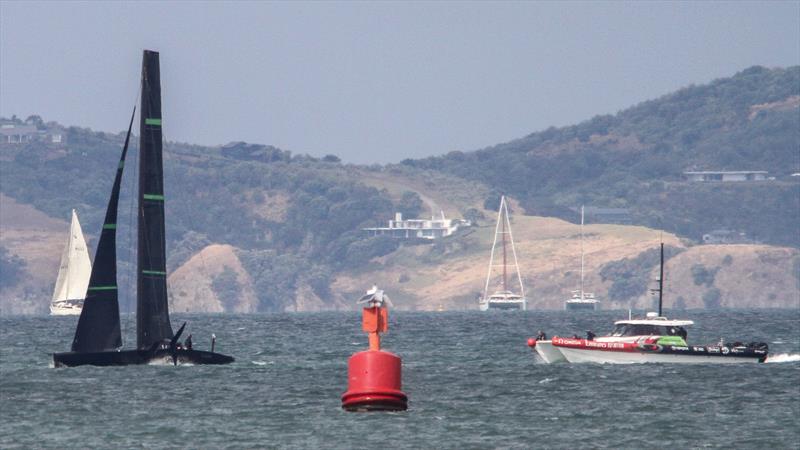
683, 349
712, 349
699, 349
725, 350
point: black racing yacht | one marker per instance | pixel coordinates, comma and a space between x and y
98, 339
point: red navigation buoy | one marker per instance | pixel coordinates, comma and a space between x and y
531, 342
374, 376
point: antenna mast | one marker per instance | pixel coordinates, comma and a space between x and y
661, 281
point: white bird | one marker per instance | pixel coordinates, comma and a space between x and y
375, 297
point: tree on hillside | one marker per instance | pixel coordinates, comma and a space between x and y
410, 205
11, 268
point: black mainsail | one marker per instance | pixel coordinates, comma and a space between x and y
98, 326
97, 338
152, 309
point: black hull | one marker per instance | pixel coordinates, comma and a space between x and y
742, 352
137, 357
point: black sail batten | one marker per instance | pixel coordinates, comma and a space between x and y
152, 309
98, 326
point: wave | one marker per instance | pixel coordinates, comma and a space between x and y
783, 358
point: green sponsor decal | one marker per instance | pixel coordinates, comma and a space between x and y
109, 226
121, 164
102, 288
153, 197
156, 122
153, 272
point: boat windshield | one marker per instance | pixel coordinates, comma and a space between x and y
628, 329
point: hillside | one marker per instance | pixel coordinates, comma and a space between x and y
254, 228
452, 275
635, 160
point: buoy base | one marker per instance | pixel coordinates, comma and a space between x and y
374, 401
374, 383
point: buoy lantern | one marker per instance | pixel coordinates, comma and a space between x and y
374, 376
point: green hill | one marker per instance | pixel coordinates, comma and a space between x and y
283, 230
635, 160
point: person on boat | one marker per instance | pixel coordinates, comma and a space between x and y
541, 336
682, 333
589, 335
188, 343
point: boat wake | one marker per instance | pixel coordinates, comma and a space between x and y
783, 358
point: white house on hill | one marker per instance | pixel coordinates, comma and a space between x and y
721, 175
432, 228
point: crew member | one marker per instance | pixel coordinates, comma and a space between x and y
541, 336
589, 335
188, 343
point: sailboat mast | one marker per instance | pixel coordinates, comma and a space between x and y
504, 210
152, 309
581, 252
661, 282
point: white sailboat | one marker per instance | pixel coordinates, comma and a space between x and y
581, 300
503, 298
73, 273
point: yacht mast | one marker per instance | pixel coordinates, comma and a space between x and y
581, 252
502, 210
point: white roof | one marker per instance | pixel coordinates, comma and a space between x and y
657, 321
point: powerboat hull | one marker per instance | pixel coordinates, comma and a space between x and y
139, 357
585, 351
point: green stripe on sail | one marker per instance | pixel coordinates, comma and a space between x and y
121, 164
109, 226
153, 197
156, 122
102, 288
153, 272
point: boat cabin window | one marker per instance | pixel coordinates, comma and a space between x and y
627, 329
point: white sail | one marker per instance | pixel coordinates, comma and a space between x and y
73, 273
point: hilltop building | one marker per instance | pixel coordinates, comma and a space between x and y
432, 228
724, 236
620, 216
17, 133
721, 175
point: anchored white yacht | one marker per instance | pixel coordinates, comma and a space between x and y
503, 297
581, 300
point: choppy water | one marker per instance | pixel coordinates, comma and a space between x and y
471, 381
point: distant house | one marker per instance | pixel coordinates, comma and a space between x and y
432, 228
16, 133
721, 175
619, 216
11, 133
723, 236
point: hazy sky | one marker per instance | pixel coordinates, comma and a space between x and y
375, 82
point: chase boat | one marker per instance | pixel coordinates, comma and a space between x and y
654, 339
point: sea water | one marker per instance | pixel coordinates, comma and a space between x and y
471, 381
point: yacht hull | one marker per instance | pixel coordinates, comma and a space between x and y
583, 351
138, 357
66, 308
580, 306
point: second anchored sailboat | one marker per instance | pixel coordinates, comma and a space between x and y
581, 300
